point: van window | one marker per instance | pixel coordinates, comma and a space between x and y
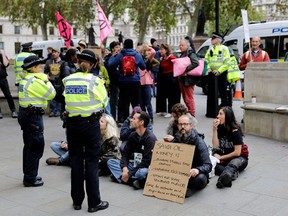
202, 52
283, 46
269, 44
233, 45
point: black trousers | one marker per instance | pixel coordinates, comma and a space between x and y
167, 89
222, 88
199, 182
84, 139
6, 91
128, 94
32, 127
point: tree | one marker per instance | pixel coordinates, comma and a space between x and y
159, 14
34, 13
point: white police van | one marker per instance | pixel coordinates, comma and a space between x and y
40, 47
274, 39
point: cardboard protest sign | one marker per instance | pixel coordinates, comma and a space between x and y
169, 171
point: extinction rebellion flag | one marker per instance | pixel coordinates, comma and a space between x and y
64, 29
105, 28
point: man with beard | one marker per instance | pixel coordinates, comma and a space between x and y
201, 164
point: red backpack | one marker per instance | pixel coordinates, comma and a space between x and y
128, 65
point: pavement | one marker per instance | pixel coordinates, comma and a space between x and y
261, 189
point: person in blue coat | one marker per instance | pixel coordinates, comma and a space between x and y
129, 85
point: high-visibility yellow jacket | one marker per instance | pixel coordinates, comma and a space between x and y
218, 58
18, 62
84, 94
35, 89
233, 70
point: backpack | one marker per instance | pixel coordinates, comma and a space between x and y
128, 65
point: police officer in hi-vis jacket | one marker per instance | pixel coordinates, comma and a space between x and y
85, 99
34, 92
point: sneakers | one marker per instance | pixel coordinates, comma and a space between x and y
14, 114
168, 115
224, 180
57, 114
51, 114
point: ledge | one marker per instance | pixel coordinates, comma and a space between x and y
266, 107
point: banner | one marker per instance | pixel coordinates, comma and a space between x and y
64, 29
245, 25
105, 28
169, 171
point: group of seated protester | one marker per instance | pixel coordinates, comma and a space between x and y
129, 162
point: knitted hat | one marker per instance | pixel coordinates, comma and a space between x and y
128, 44
136, 109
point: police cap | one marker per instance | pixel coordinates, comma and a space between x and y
31, 61
216, 35
27, 45
87, 55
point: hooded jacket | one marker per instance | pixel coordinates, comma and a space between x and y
116, 61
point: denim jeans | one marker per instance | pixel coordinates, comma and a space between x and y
64, 154
146, 100
115, 168
55, 106
114, 95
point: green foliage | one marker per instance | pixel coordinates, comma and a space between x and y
159, 14
230, 14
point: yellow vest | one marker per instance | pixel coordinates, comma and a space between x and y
219, 59
35, 89
84, 94
233, 70
18, 62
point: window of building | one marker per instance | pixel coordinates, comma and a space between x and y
51, 30
17, 47
1, 29
16, 29
74, 31
34, 31
2, 45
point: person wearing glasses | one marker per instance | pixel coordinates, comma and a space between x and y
201, 164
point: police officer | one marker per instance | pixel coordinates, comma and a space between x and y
85, 98
18, 62
34, 92
233, 74
218, 57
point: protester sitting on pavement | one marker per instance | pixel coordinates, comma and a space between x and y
132, 169
109, 146
176, 111
201, 164
227, 143
126, 128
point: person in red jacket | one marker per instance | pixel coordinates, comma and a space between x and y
167, 84
255, 55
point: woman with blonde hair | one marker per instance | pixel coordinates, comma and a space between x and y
110, 140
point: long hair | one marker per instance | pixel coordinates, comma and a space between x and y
111, 128
230, 120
